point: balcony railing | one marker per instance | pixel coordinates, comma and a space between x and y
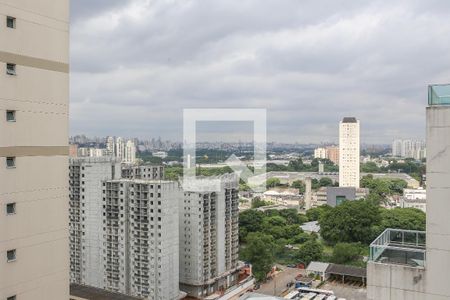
402, 247
439, 94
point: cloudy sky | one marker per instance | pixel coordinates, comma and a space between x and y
137, 64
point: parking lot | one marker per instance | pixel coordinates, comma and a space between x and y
348, 291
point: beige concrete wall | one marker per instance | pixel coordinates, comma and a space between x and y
395, 282
438, 201
39, 93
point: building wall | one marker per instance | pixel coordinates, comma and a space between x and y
438, 204
209, 239
86, 205
141, 229
396, 282
39, 93
349, 153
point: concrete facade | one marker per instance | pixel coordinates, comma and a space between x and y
209, 239
336, 195
145, 172
399, 282
34, 96
349, 153
140, 229
86, 205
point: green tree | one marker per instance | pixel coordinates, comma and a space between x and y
325, 181
259, 251
257, 202
273, 182
250, 221
292, 216
314, 214
403, 218
344, 253
298, 184
310, 251
352, 221
370, 167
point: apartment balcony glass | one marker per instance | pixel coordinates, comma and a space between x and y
402, 247
439, 94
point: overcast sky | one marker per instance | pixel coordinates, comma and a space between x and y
136, 64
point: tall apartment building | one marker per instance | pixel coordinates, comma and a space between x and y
141, 241
320, 153
409, 149
130, 153
209, 239
111, 146
34, 97
146, 172
405, 264
333, 154
349, 153
86, 207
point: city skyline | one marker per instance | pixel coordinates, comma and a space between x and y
309, 66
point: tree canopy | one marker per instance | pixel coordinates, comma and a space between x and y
259, 251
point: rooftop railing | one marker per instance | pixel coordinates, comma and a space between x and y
439, 94
402, 247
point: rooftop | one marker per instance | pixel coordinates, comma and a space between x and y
439, 94
349, 120
91, 293
400, 247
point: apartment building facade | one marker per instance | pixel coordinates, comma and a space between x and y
85, 206
145, 172
34, 108
349, 152
141, 241
209, 238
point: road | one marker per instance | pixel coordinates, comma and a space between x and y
277, 285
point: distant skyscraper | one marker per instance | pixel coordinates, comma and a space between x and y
349, 153
120, 148
333, 154
320, 153
34, 108
408, 149
111, 146
130, 153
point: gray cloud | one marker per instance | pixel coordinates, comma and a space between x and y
136, 64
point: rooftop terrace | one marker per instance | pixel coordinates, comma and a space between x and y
402, 247
439, 94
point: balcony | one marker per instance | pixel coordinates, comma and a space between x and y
399, 247
439, 94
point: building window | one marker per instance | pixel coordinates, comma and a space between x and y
10, 22
10, 208
11, 115
11, 298
11, 69
10, 162
11, 255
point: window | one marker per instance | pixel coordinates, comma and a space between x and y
10, 162
11, 69
11, 298
11, 255
10, 23
11, 115
10, 208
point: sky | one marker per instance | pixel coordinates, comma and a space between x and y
136, 64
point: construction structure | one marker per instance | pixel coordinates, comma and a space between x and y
209, 239
85, 207
34, 108
145, 172
140, 238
